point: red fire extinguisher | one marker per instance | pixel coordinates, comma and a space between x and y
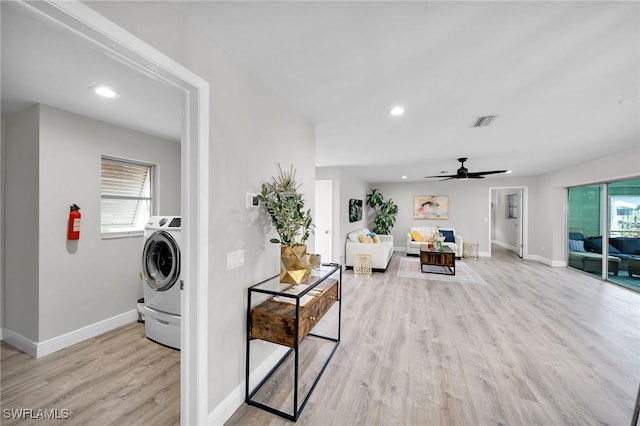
73, 231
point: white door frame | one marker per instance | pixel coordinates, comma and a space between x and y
523, 222
113, 39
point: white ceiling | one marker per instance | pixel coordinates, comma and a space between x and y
563, 78
44, 63
553, 72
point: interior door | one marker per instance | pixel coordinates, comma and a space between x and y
322, 220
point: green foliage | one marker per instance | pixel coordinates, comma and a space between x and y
286, 209
386, 212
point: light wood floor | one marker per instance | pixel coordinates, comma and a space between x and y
537, 345
118, 378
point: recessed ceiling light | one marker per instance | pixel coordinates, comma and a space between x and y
105, 92
404, 177
396, 111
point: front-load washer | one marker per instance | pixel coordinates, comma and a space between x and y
161, 273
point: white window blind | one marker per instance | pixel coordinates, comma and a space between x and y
126, 196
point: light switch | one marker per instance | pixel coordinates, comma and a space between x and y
235, 259
252, 201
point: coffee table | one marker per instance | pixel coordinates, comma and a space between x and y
437, 261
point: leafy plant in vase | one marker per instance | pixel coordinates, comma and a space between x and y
386, 212
294, 225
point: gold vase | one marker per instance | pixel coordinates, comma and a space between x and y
294, 264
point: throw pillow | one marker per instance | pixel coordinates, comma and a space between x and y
376, 239
362, 238
593, 244
576, 246
372, 234
448, 236
369, 239
416, 236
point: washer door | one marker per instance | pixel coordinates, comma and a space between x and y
161, 261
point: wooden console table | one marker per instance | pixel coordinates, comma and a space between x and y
445, 259
285, 314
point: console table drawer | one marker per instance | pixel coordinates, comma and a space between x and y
276, 321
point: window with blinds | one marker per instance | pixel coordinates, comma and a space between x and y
126, 197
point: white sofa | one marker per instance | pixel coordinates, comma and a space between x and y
413, 247
380, 252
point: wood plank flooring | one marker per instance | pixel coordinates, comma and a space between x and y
537, 345
118, 378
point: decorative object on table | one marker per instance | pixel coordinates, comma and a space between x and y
362, 265
314, 261
294, 225
355, 210
431, 207
386, 212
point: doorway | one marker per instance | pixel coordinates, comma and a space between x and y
508, 219
124, 47
323, 220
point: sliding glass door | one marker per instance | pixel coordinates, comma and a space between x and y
604, 231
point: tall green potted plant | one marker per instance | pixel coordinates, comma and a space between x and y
386, 212
294, 225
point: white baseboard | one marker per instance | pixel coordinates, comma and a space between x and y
504, 245
46, 347
20, 342
546, 261
223, 411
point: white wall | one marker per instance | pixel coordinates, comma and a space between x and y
546, 208
549, 212
21, 235
345, 187
251, 131
469, 206
53, 286
98, 278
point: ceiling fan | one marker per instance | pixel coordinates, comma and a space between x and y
464, 173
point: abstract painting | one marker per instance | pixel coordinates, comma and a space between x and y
431, 207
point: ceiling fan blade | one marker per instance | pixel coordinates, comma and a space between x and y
475, 177
440, 176
492, 172
449, 178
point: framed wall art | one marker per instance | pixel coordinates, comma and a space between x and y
431, 207
355, 210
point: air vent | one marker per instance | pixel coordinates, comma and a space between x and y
484, 121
